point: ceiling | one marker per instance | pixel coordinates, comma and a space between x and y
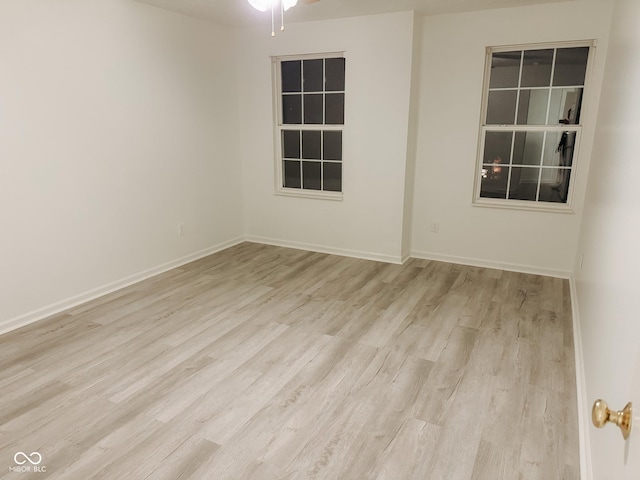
238, 13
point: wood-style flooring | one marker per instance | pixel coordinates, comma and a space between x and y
268, 363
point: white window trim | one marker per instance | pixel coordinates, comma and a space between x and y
279, 189
512, 204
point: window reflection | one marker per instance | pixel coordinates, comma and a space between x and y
532, 108
565, 106
554, 185
497, 144
571, 66
505, 69
494, 180
559, 148
527, 149
524, 183
536, 68
531, 123
501, 109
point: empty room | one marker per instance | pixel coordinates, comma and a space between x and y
319, 239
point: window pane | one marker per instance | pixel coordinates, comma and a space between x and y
532, 109
532, 123
527, 148
291, 143
311, 175
501, 109
566, 148
313, 109
332, 174
554, 186
291, 174
494, 181
497, 147
334, 109
332, 145
313, 75
291, 76
291, 109
565, 107
334, 74
505, 69
571, 66
551, 153
311, 144
558, 151
536, 68
524, 183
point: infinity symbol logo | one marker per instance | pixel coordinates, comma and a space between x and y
30, 458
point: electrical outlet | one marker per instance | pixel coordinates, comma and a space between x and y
435, 227
180, 229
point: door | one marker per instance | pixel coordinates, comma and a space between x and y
607, 287
632, 448
620, 458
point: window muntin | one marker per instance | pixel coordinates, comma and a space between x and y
310, 94
531, 124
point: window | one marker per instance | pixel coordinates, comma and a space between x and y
531, 125
310, 93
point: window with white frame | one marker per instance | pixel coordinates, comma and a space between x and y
531, 124
310, 94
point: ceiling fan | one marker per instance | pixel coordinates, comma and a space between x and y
264, 5
273, 5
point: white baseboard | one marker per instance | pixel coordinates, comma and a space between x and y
58, 307
477, 262
323, 249
581, 390
61, 306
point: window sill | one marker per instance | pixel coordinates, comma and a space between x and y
316, 194
524, 205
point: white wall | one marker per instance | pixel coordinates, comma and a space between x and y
119, 120
453, 53
369, 220
607, 287
114, 127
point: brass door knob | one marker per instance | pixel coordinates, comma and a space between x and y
601, 415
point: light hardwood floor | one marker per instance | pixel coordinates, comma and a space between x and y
268, 363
